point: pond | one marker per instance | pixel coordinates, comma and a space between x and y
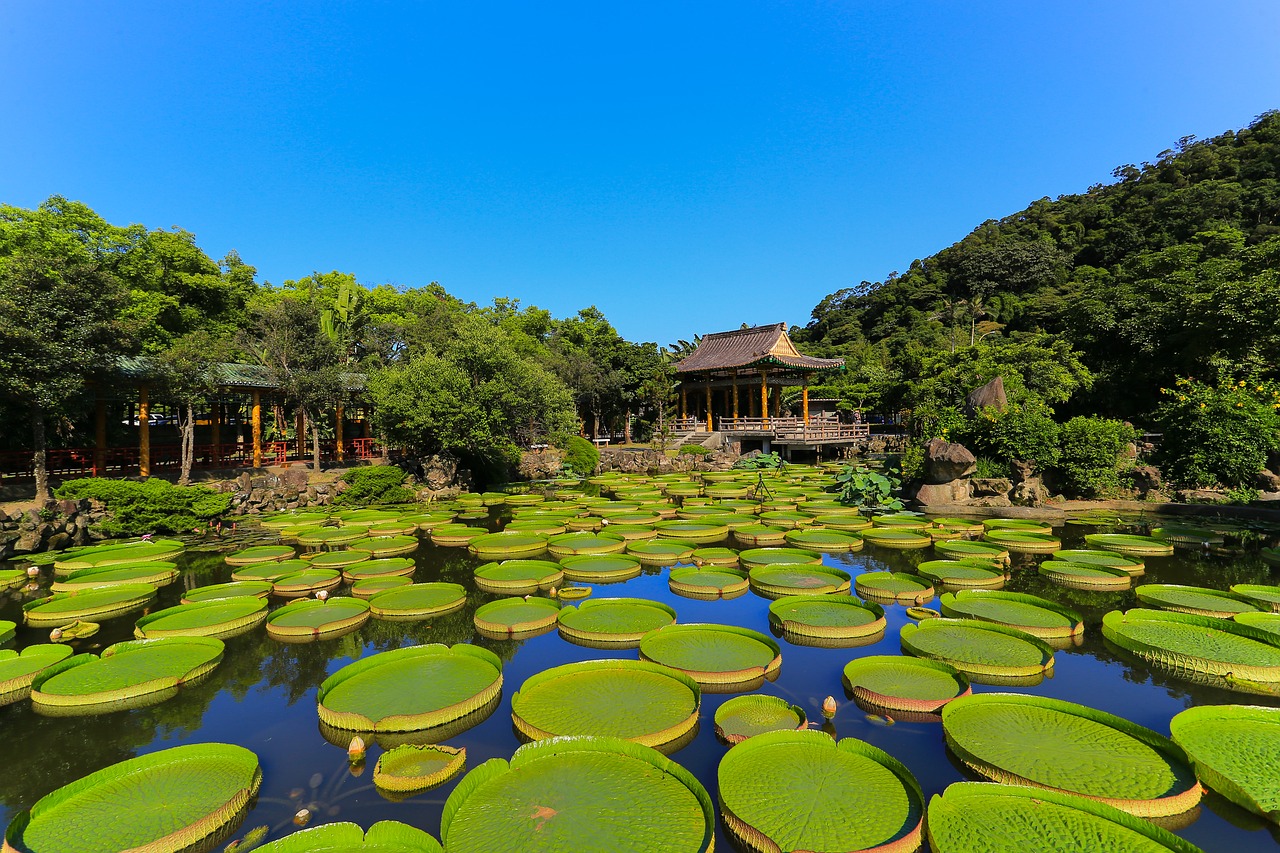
263, 695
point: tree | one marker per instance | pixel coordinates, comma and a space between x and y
188, 369
58, 327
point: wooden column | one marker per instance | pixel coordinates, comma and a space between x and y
144, 431
338, 450
300, 431
804, 404
764, 395
684, 401
735, 395
100, 437
256, 419
709, 427
215, 432
777, 402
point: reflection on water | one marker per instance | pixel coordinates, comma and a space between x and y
262, 696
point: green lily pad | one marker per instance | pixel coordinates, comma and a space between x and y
97, 556
173, 799
260, 554
387, 546
1270, 556
271, 570
385, 836
588, 794
292, 519
958, 549
786, 519
544, 528
366, 517
307, 582
1009, 819
894, 537
866, 800
697, 532
1021, 541
714, 655
631, 700
1141, 546
893, 586
781, 579
156, 573
331, 536
900, 521
897, 683
723, 557
1186, 645
128, 674
310, 619
576, 544
418, 601
410, 689
707, 583
957, 573
513, 577
606, 568
1090, 557
827, 541
1192, 599
826, 617
981, 650
1037, 616
1236, 751
747, 716
629, 532
94, 604
507, 545
455, 535
19, 669
1085, 576
389, 567
758, 535
1026, 525
257, 589
220, 618
367, 588
339, 559
753, 557
661, 552
1184, 534
417, 767
846, 522
1062, 746
613, 623
1265, 596
12, 578
516, 617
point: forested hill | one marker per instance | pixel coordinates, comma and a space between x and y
1173, 270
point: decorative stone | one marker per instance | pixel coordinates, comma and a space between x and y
985, 487
989, 396
945, 461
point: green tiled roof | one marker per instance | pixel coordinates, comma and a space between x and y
141, 368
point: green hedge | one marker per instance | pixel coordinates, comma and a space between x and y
694, 450
153, 506
581, 456
380, 484
1092, 456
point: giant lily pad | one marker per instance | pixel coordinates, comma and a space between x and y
369, 587
866, 800
11, 578
1264, 596
827, 541
292, 519
893, 586
417, 767
964, 575
1193, 599
306, 582
260, 554
93, 604
607, 568
589, 794
507, 545
697, 532
256, 589
754, 557
174, 799
959, 549
387, 546
516, 617
97, 556
724, 557
981, 650
707, 583
894, 537
747, 716
386, 568
782, 579
1270, 555
1023, 541
1009, 819
786, 519
418, 601
1037, 616
410, 689
846, 522
661, 552
613, 623
757, 535
157, 573
385, 836
310, 619
19, 669
338, 559
129, 674
331, 536
807, 618
518, 577
1236, 752
221, 618
1085, 575
575, 544
901, 521
632, 700
1049, 743
455, 535
271, 570
897, 683
1141, 546
714, 655
1132, 565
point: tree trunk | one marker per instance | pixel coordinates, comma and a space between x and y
38, 459
626, 426
315, 442
188, 427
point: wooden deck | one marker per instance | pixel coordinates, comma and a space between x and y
783, 430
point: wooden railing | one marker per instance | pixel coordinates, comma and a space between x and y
817, 429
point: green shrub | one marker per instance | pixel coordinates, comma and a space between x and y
911, 462
379, 484
694, 450
870, 491
1020, 433
1091, 456
153, 506
988, 468
581, 456
1218, 434
761, 462
931, 419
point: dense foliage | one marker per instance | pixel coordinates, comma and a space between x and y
1220, 433
379, 484
154, 506
1092, 455
869, 491
580, 456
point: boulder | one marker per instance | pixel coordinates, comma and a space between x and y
1267, 481
1022, 470
945, 461
294, 479
985, 487
942, 494
1201, 496
1030, 492
990, 395
994, 501
541, 464
1146, 478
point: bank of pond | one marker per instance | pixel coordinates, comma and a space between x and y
631, 663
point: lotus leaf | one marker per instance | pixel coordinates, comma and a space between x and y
713, 654
311, 619
509, 617
96, 556
306, 582
221, 618
173, 799
518, 576
585, 794
418, 601
893, 586
93, 603
978, 648
411, 688
958, 573
1193, 599
708, 583
1090, 557
385, 568
959, 549
260, 554
256, 589
613, 622
157, 573
631, 700
369, 587
828, 541
915, 685
1236, 752
19, 669
760, 535
1049, 743
830, 617
330, 536
411, 768
387, 546
1085, 576
977, 817
696, 532
339, 559
753, 557
126, 675
866, 799
1141, 546
1037, 616
455, 535
896, 537
1186, 645
1022, 541
609, 568
385, 836
747, 716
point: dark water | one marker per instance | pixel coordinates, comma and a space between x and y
263, 695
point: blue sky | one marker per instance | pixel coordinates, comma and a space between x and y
685, 167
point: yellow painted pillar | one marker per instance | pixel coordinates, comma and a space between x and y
100, 438
684, 401
764, 396
256, 419
709, 427
735, 395
337, 432
144, 431
804, 397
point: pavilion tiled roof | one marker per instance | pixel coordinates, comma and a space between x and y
140, 368
758, 346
